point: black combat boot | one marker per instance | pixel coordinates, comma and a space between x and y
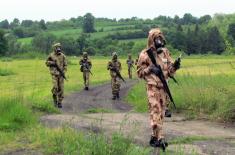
167, 113
154, 142
55, 100
59, 105
162, 144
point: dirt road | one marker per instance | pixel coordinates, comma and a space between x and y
202, 137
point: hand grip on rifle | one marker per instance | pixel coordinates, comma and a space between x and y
177, 63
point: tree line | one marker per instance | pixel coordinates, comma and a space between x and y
188, 34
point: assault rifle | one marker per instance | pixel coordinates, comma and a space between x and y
85, 64
58, 69
118, 73
160, 75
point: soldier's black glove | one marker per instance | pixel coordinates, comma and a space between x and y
154, 70
176, 64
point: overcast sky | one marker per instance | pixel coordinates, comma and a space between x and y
51, 10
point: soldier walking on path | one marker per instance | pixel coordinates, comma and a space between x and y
57, 64
115, 67
130, 63
155, 65
86, 69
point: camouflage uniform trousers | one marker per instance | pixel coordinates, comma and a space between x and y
157, 101
86, 75
58, 88
115, 85
130, 72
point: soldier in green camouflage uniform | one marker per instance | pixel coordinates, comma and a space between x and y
130, 63
85, 68
114, 63
54, 60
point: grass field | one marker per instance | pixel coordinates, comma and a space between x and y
207, 86
25, 94
75, 32
31, 78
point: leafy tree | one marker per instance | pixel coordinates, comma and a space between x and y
189, 19
13, 46
69, 45
90, 50
177, 38
231, 30
4, 24
3, 43
215, 41
19, 32
82, 42
15, 23
109, 50
42, 25
177, 19
43, 42
204, 19
27, 23
88, 23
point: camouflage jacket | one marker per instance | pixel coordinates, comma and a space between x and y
114, 64
164, 60
85, 65
129, 62
56, 59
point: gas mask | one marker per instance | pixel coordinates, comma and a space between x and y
115, 57
159, 43
58, 49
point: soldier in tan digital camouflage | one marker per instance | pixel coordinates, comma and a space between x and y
157, 96
85, 68
115, 67
57, 64
130, 63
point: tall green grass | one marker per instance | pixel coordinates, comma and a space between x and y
91, 144
210, 96
69, 141
15, 114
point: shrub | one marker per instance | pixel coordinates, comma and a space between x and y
14, 114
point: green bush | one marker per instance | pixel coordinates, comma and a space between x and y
14, 114
6, 72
